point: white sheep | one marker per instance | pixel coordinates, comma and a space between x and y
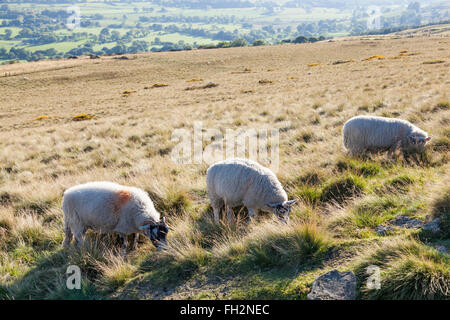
372, 134
236, 182
109, 207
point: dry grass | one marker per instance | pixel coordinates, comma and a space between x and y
129, 141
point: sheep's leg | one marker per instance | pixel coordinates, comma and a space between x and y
123, 248
216, 214
251, 214
230, 216
68, 237
217, 205
79, 237
135, 240
392, 151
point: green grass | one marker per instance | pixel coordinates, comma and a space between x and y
409, 271
342, 189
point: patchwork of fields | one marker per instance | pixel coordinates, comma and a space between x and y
36, 28
306, 91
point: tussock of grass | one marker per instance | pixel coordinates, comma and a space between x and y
399, 183
441, 210
34, 206
409, 270
312, 178
343, 189
358, 167
310, 195
272, 245
441, 144
443, 105
172, 201
7, 220
116, 272
361, 220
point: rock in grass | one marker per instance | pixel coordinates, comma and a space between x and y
383, 230
334, 285
406, 222
441, 248
433, 226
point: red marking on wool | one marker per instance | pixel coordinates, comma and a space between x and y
122, 198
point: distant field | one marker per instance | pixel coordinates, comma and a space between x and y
307, 91
129, 13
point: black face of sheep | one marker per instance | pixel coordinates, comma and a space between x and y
417, 142
282, 209
157, 233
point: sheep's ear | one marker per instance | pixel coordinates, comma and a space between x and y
274, 205
291, 202
147, 224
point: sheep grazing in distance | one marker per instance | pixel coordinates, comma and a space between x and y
372, 134
108, 207
236, 182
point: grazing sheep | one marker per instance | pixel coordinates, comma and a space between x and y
109, 207
236, 182
373, 134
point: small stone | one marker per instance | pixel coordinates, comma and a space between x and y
334, 285
406, 222
441, 248
433, 226
383, 230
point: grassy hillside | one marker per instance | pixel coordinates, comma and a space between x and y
306, 94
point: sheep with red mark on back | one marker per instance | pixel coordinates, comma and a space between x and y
109, 207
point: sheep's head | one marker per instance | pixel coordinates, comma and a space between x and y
417, 142
156, 232
282, 209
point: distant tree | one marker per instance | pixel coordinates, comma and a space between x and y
223, 44
104, 35
8, 34
300, 39
239, 42
115, 35
259, 42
